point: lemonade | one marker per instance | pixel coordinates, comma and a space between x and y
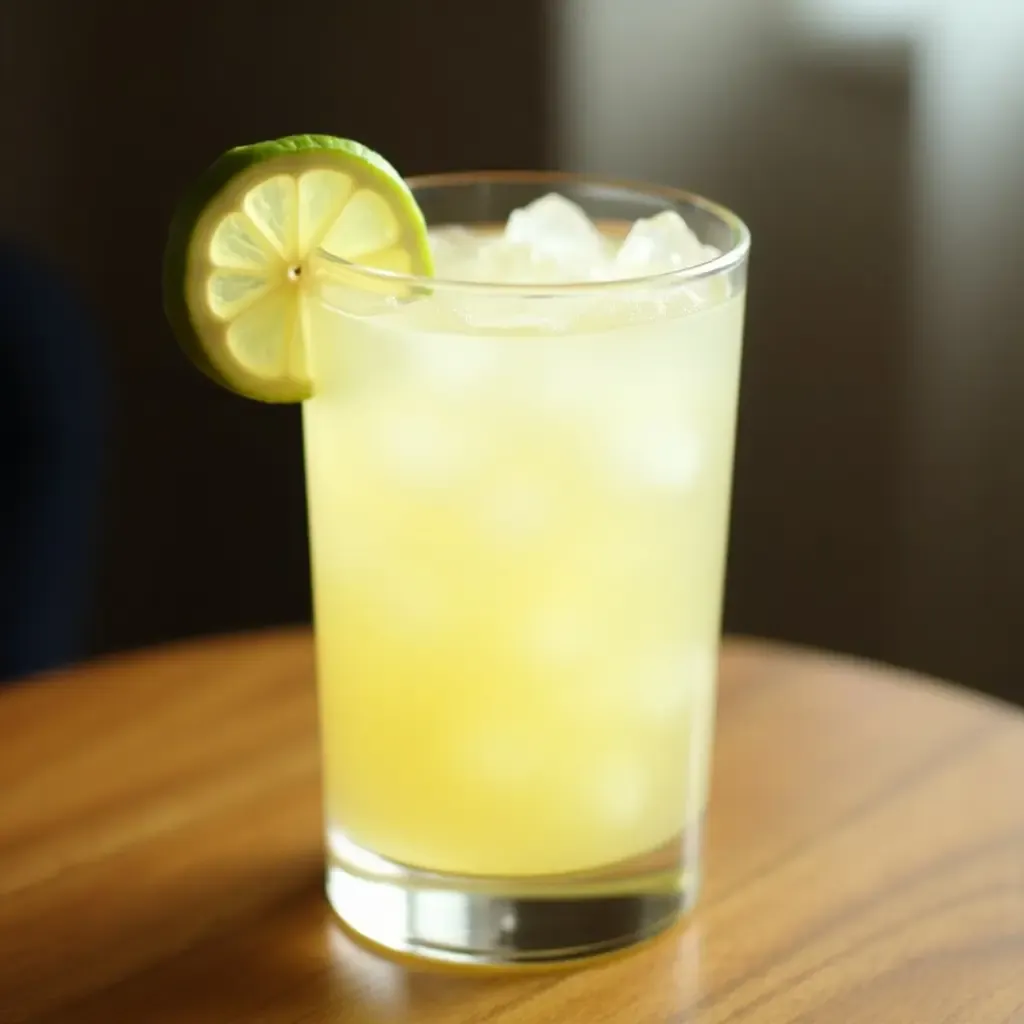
518, 543
519, 399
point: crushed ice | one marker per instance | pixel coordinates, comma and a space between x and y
553, 241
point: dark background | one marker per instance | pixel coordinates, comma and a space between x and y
879, 496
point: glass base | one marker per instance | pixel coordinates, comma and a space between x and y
511, 921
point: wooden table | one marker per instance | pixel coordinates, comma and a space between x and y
160, 859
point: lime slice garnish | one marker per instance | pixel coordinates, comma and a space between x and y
239, 267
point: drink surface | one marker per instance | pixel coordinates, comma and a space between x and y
518, 515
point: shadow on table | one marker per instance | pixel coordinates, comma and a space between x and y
279, 957
81, 946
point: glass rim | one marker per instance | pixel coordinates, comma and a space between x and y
723, 263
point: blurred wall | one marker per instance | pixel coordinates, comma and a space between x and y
874, 148
110, 108
811, 145
964, 504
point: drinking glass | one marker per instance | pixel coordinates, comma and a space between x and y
518, 503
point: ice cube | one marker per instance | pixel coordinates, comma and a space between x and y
660, 244
553, 241
656, 452
559, 637
454, 250
447, 365
576, 382
619, 789
413, 603
494, 752
516, 263
418, 447
550, 241
670, 684
556, 227
514, 511
370, 580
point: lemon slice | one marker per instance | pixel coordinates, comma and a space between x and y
239, 266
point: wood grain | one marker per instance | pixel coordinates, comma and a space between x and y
160, 857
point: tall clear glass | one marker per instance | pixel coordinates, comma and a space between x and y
518, 501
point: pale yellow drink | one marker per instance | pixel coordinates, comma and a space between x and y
518, 536
519, 441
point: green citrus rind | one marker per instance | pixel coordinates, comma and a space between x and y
218, 192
